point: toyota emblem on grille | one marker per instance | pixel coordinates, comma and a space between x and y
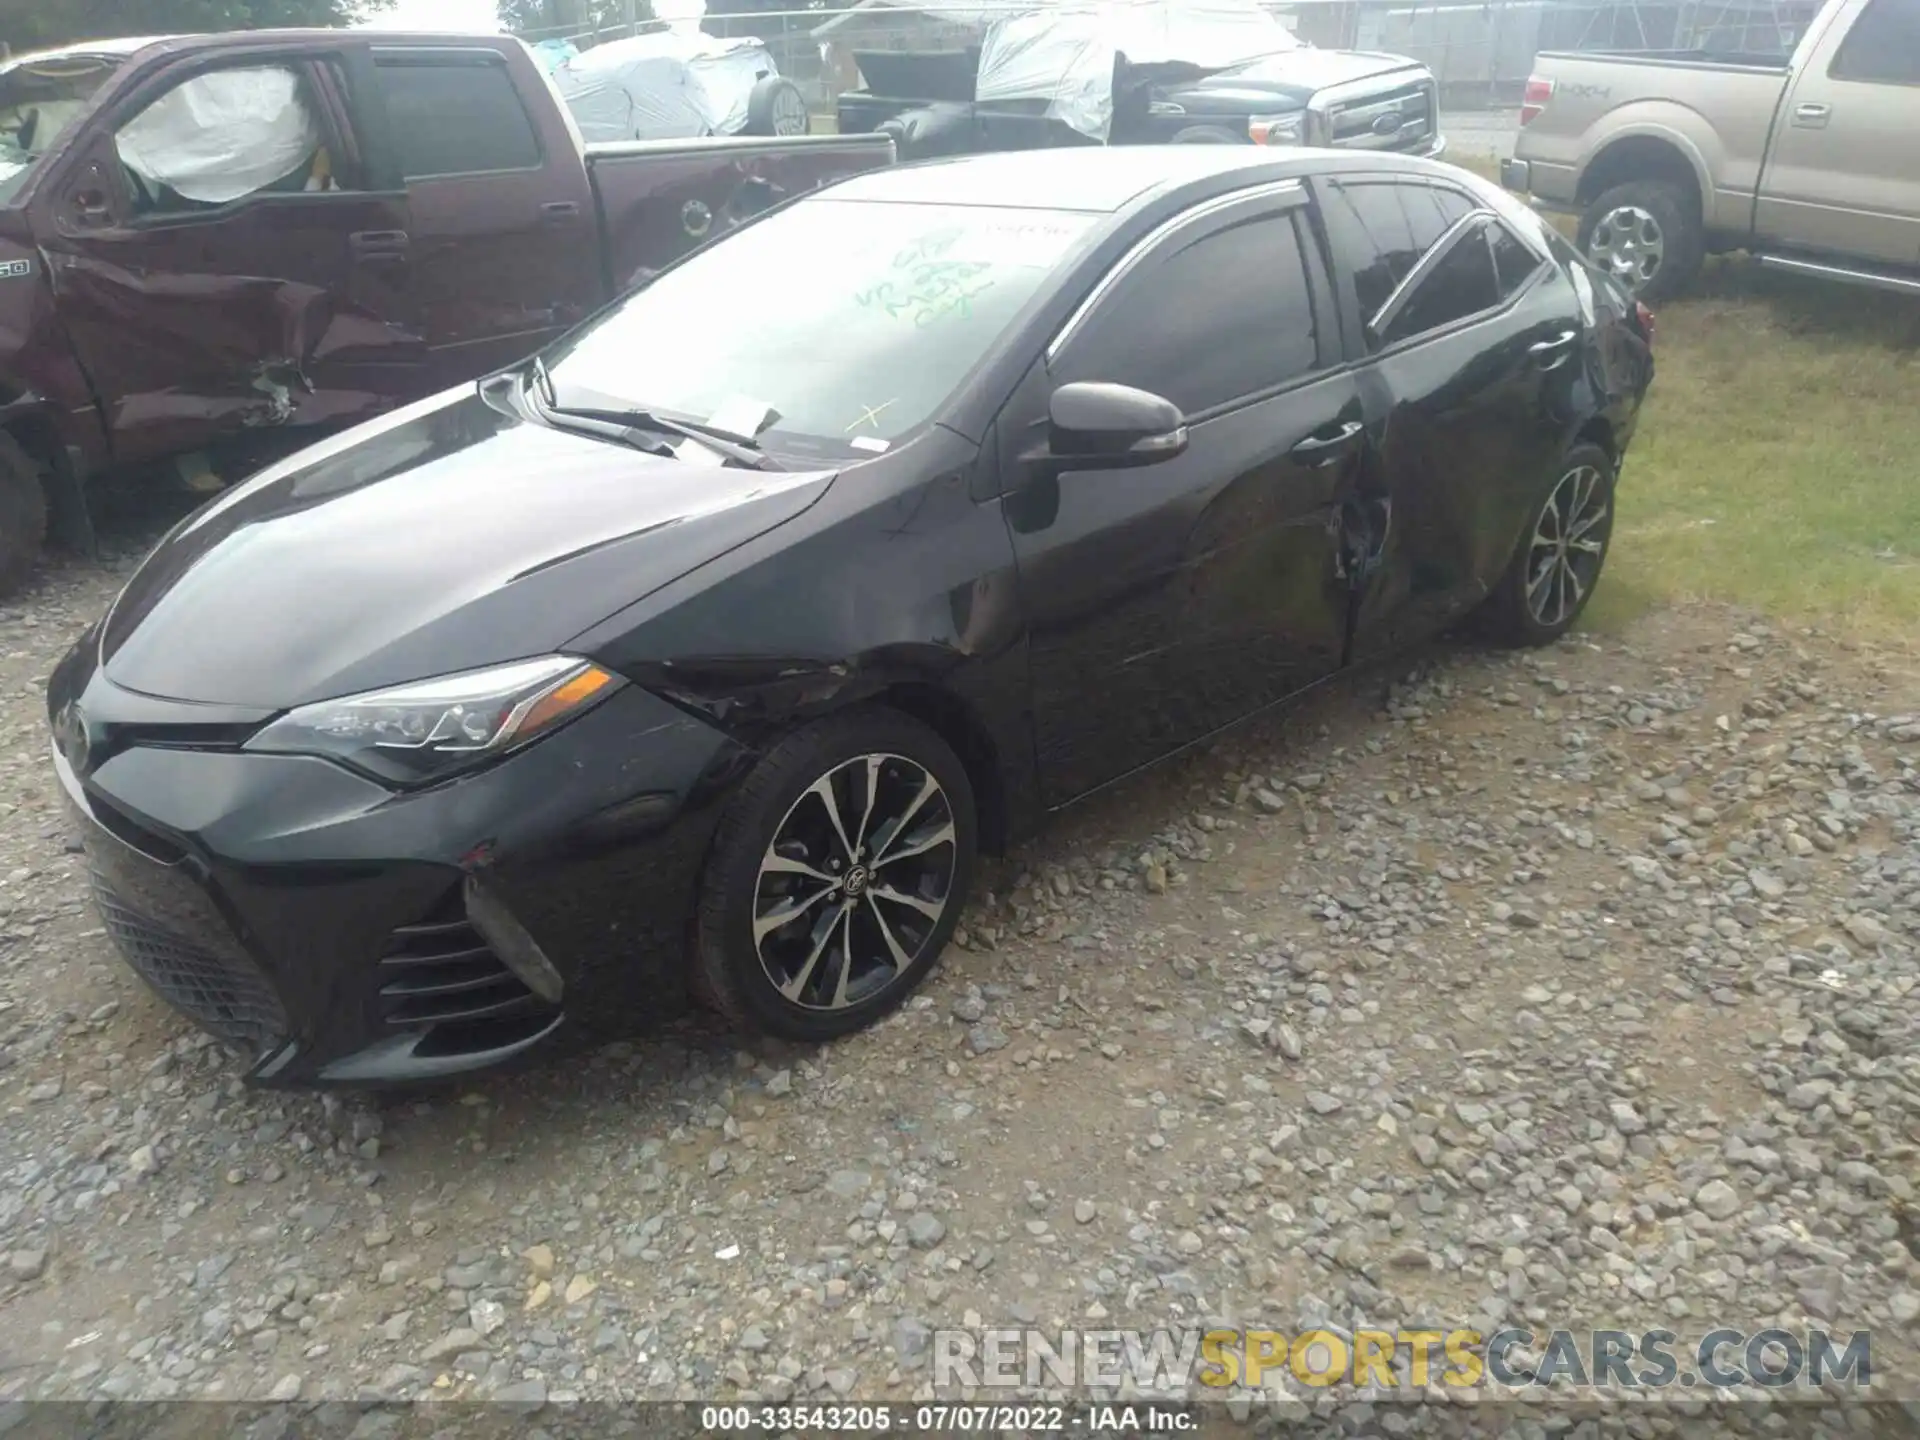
70, 734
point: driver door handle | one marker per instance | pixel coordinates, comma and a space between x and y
1812, 115
1319, 449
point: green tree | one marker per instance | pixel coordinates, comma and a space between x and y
538, 19
30, 24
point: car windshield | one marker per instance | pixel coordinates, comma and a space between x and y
38, 100
853, 320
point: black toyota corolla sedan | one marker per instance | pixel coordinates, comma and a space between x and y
699, 657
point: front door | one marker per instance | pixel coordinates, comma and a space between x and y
204, 249
1840, 173
1165, 602
1472, 347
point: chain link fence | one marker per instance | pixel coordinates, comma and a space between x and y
1481, 54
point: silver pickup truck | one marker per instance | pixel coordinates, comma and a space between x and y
1811, 163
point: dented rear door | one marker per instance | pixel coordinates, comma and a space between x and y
205, 289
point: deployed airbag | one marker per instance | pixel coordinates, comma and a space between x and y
222, 135
1065, 55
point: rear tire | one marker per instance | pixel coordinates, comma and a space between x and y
23, 514
1557, 566
1648, 235
1208, 135
870, 886
776, 107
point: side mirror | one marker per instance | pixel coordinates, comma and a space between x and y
1101, 426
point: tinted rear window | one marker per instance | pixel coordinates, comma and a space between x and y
455, 118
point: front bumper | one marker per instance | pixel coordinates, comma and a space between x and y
341, 934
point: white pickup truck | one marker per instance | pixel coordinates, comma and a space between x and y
1811, 163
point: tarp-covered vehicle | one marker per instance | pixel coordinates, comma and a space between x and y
671, 84
262, 235
1129, 72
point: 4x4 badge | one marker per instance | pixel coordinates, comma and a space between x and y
14, 269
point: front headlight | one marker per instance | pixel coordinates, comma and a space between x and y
1277, 129
418, 733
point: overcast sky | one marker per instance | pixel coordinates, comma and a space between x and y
464, 15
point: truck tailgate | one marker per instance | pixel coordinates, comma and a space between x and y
1721, 109
659, 199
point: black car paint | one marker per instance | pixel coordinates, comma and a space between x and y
1062, 630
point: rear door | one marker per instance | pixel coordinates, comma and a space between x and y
202, 247
503, 246
1842, 175
1471, 340
1163, 603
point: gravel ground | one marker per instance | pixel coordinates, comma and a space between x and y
1572, 988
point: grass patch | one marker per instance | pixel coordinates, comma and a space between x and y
1778, 459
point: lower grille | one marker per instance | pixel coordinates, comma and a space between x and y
440, 976
226, 996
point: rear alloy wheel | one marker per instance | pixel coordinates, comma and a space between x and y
1558, 565
837, 877
1646, 235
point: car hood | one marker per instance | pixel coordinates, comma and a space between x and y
1291, 77
448, 535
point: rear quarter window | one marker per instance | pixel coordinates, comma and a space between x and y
455, 117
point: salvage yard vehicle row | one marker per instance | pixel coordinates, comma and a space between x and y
255, 234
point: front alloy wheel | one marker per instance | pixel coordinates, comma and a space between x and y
836, 877
857, 879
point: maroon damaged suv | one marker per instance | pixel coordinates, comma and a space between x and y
219, 237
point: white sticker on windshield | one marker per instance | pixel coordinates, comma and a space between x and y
869, 442
740, 415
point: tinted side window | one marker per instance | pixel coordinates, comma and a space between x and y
455, 119
1883, 47
1391, 225
1513, 263
1461, 285
1226, 316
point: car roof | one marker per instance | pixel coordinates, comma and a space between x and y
1101, 179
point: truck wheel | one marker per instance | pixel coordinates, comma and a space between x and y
777, 107
1647, 235
1208, 135
23, 514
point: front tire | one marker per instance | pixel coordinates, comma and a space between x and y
1554, 572
23, 515
1648, 235
836, 878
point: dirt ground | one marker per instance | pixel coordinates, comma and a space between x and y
1567, 989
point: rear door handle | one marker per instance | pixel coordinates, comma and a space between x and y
1325, 449
378, 245
559, 212
1812, 115
1552, 354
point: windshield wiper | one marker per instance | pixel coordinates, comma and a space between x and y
636, 422
736, 448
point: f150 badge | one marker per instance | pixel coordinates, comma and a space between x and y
14, 269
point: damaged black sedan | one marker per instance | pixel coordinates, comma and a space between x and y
698, 658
